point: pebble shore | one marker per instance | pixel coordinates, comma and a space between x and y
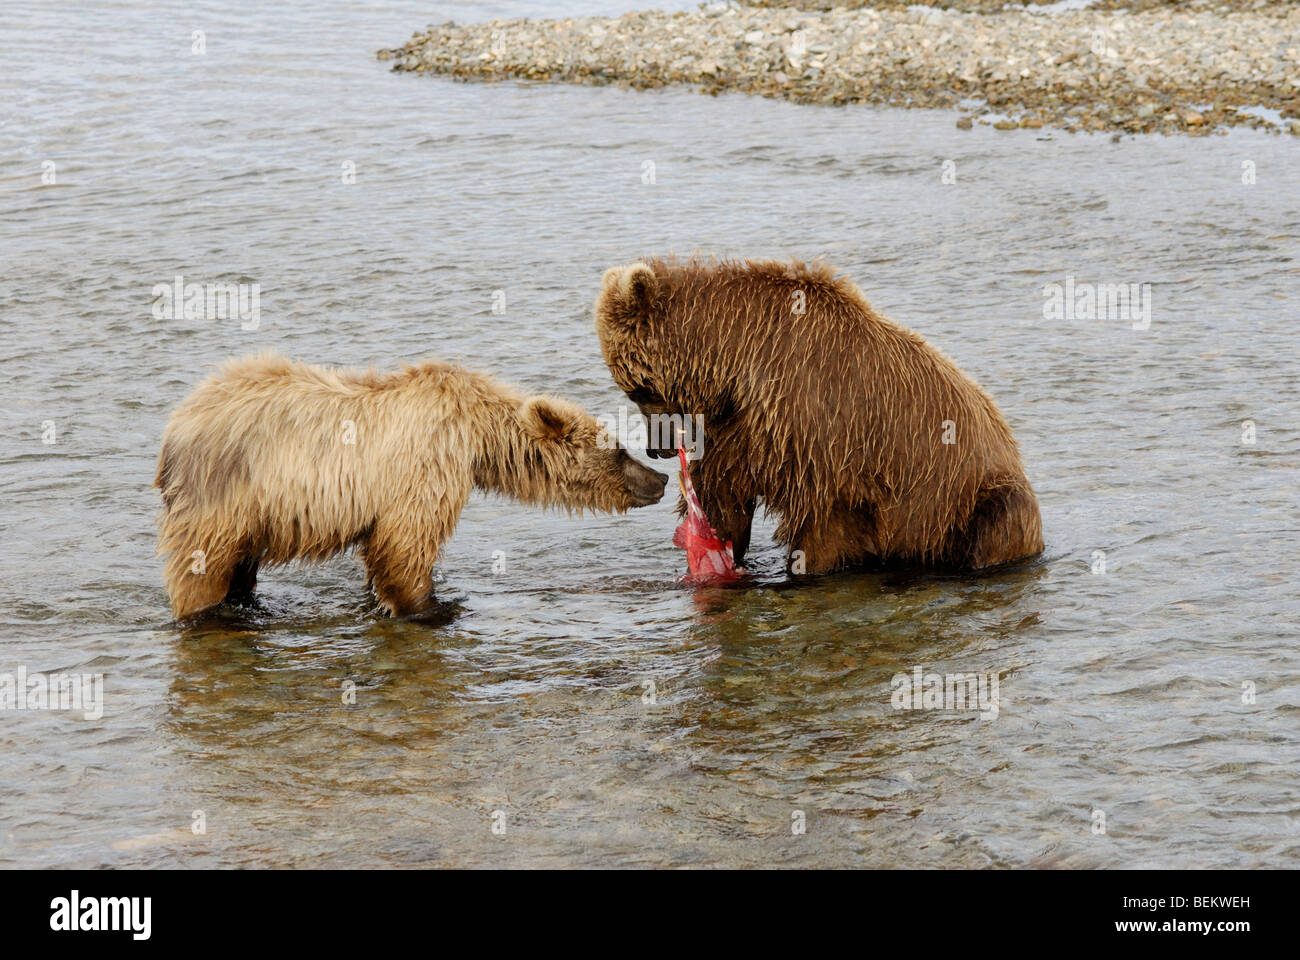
1185, 68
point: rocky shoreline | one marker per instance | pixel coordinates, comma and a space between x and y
996, 6
1168, 68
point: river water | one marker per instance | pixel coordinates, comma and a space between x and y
769, 736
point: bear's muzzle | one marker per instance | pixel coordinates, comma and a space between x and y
645, 485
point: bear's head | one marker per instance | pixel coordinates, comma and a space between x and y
648, 349
570, 460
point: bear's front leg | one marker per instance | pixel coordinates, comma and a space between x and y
400, 594
734, 524
730, 514
199, 577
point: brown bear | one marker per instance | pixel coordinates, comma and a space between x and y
271, 460
867, 444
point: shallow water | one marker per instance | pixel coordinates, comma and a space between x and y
1121, 691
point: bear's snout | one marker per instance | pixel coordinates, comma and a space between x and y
645, 485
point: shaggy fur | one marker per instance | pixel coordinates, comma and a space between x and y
270, 461
833, 419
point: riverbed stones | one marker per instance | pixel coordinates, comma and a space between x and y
1187, 67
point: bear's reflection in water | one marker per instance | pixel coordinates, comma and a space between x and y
650, 746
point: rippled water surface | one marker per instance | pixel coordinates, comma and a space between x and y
1122, 691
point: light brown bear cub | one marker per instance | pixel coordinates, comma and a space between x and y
270, 460
867, 443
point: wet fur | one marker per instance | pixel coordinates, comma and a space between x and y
254, 470
833, 419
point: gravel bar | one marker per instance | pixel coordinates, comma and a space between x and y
1167, 68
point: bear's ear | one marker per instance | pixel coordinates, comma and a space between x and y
629, 292
550, 419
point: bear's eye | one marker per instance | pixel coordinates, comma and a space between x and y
643, 394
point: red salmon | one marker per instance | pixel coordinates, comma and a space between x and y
708, 556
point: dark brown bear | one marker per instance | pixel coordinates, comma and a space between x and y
867, 443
